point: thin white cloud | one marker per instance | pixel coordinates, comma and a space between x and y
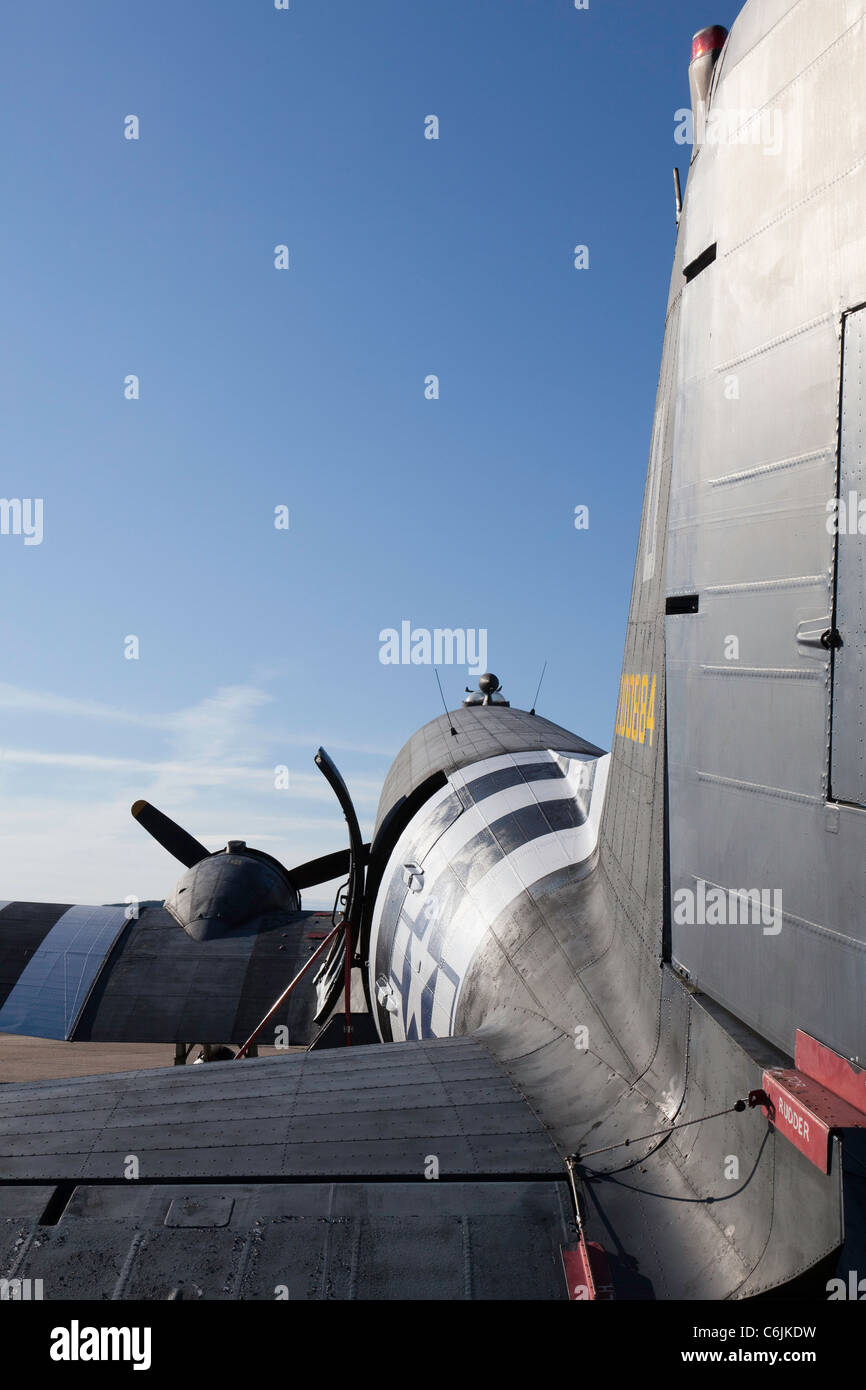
302, 785
199, 721
45, 702
65, 826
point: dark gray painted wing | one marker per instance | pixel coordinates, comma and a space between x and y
303, 1173
88, 974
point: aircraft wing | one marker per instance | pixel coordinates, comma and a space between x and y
414, 1170
89, 974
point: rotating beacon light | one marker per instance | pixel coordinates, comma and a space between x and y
707, 45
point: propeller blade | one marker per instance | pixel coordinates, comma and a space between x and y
169, 834
322, 870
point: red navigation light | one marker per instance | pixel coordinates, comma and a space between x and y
708, 40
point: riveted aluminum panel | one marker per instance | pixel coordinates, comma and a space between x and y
753, 469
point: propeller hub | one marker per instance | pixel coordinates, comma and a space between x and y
223, 892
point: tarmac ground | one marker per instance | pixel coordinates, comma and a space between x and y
44, 1059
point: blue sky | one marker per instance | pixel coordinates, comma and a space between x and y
306, 388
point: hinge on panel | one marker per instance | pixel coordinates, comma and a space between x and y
817, 636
